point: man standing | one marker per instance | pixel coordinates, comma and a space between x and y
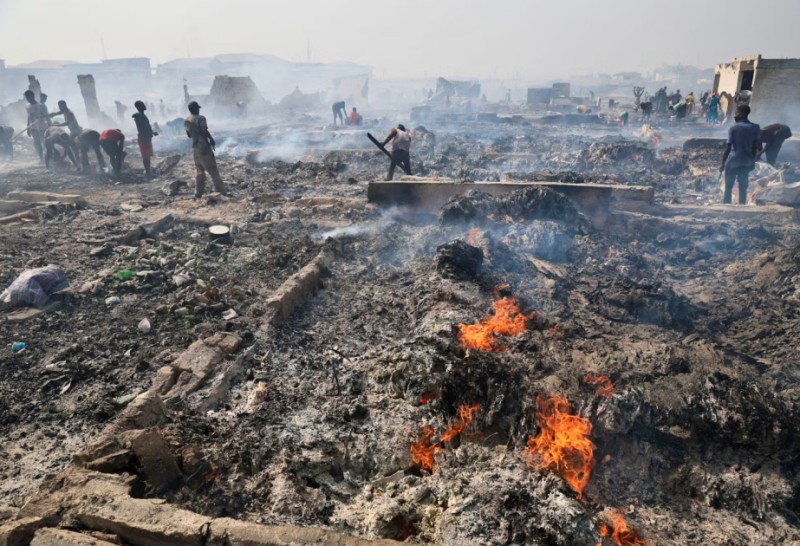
37, 122
6, 137
113, 143
713, 109
772, 137
339, 112
744, 146
56, 136
145, 136
401, 150
203, 146
121, 109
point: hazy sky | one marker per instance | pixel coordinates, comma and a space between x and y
532, 38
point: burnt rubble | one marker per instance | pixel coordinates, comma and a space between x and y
289, 370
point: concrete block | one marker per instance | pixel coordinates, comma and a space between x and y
155, 459
231, 532
146, 410
45, 197
62, 537
20, 532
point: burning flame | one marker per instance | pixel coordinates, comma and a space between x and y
466, 414
605, 387
507, 320
427, 397
563, 443
472, 236
423, 451
619, 532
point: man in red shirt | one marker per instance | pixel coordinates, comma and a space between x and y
113, 143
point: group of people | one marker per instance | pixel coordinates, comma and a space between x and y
59, 141
747, 142
341, 116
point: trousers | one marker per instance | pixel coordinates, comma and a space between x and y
402, 158
206, 163
742, 175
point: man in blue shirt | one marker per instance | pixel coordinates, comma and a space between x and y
744, 146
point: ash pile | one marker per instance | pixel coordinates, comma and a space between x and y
504, 374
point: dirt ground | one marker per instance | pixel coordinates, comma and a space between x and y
694, 319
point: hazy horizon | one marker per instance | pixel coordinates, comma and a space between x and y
476, 38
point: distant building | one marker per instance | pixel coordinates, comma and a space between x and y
772, 86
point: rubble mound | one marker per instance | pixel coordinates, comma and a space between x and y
458, 260
540, 204
531, 203
472, 206
603, 151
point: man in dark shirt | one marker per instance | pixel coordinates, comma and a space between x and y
145, 136
56, 136
772, 137
339, 112
744, 146
87, 140
6, 138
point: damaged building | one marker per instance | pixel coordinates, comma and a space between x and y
772, 86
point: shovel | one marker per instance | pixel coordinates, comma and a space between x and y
379, 144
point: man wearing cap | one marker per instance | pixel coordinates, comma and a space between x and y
401, 150
145, 136
113, 143
744, 146
203, 146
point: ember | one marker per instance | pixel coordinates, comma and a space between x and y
605, 387
619, 532
465, 416
427, 397
507, 320
563, 443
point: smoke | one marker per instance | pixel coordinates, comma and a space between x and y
388, 217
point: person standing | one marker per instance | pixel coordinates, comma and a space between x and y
113, 143
339, 112
401, 150
38, 122
145, 136
713, 109
121, 109
6, 141
772, 137
744, 146
203, 146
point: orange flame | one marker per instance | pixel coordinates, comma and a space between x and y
472, 236
563, 443
507, 320
423, 451
620, 533
605, 387
465, 416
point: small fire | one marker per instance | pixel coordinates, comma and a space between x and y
605, 387
466, 414
619, 532
472, 236
427, 397
423, 451
507, 320
563, 443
